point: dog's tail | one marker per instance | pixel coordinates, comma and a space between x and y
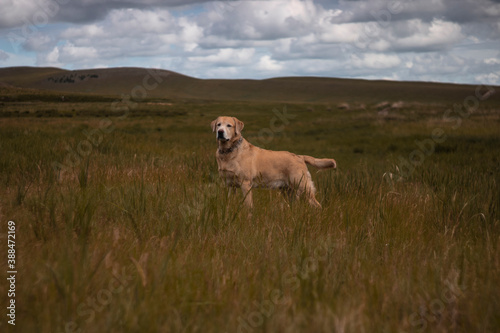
320, 163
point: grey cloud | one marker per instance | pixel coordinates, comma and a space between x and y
42, 12
425, 40
4, 55
38, 42
94, 10
387, 12
244, 21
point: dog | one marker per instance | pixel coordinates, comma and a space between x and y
246, 166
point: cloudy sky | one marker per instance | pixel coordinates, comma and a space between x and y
417, 40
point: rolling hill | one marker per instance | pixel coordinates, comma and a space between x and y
163, 84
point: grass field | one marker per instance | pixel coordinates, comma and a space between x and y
122, 223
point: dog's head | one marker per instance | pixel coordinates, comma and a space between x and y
227, 128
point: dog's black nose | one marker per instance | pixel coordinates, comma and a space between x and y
220, 133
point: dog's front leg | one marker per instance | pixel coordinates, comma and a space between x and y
246, 189
231, 191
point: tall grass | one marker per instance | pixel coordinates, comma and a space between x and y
141, 235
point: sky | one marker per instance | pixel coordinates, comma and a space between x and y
406, 40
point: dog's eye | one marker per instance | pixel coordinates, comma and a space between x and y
218, 125
229, 126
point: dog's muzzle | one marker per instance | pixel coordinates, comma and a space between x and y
221, 136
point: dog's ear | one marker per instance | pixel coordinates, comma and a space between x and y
213, 124
238, 125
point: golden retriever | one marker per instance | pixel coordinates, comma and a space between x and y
244, 165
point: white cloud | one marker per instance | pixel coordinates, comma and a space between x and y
266, 64
223, 72
375, 61
341, 33
70, 53
492, 61
429, 65
491, 78
191, 34
422, 40
227, 57
18, 12
435, 35
264, 20
51, 59
127, 33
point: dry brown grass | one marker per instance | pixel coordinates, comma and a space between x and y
141, 236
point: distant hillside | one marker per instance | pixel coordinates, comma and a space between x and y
114, 82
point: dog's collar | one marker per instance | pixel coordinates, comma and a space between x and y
232, 148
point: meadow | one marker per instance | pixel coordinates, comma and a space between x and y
122, 223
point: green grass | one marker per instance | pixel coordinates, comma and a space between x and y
139, 235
